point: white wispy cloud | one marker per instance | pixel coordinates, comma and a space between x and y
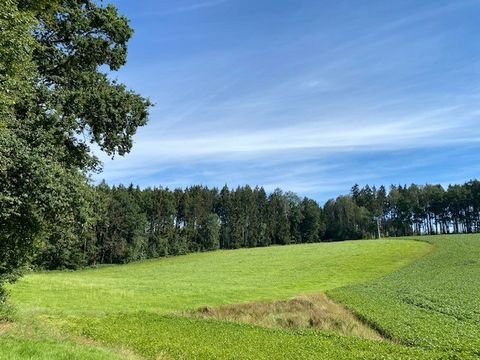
304, 114
313, 141
186, 8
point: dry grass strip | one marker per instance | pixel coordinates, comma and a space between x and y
301, 312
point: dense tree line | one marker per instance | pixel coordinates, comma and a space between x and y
404, 210
431, 209
131, 224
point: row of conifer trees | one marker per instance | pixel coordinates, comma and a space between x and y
129, 223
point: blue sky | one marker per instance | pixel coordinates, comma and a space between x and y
310, 96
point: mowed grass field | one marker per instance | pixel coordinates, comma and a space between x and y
215, 278
403, 288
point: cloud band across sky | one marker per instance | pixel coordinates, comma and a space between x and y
311, 96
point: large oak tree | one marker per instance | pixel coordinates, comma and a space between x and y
57, 98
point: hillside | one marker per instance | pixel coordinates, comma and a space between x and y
143, 310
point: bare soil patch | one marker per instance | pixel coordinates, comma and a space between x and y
4, 326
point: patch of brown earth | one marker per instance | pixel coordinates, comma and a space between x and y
301, 312
4, 326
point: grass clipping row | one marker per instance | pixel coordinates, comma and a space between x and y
301, 312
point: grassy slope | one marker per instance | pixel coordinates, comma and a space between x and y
15, 348
31, 339
218, 278
433, 303
185, 338
78, 300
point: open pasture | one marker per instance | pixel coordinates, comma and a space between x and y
420, 296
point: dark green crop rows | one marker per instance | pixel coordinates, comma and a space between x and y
173, 337
433, 303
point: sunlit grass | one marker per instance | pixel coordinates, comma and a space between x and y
30, 339
217, 278
135, 310
172, 337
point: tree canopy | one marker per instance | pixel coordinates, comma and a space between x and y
56, 99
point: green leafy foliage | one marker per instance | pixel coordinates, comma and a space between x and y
18, 220
345, 219
75, 39
209, 232
127, 223
52, 91
16, 68
410, 210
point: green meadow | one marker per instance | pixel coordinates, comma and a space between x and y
213, 278
420, 296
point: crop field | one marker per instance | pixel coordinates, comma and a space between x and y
417, 299
432, 304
